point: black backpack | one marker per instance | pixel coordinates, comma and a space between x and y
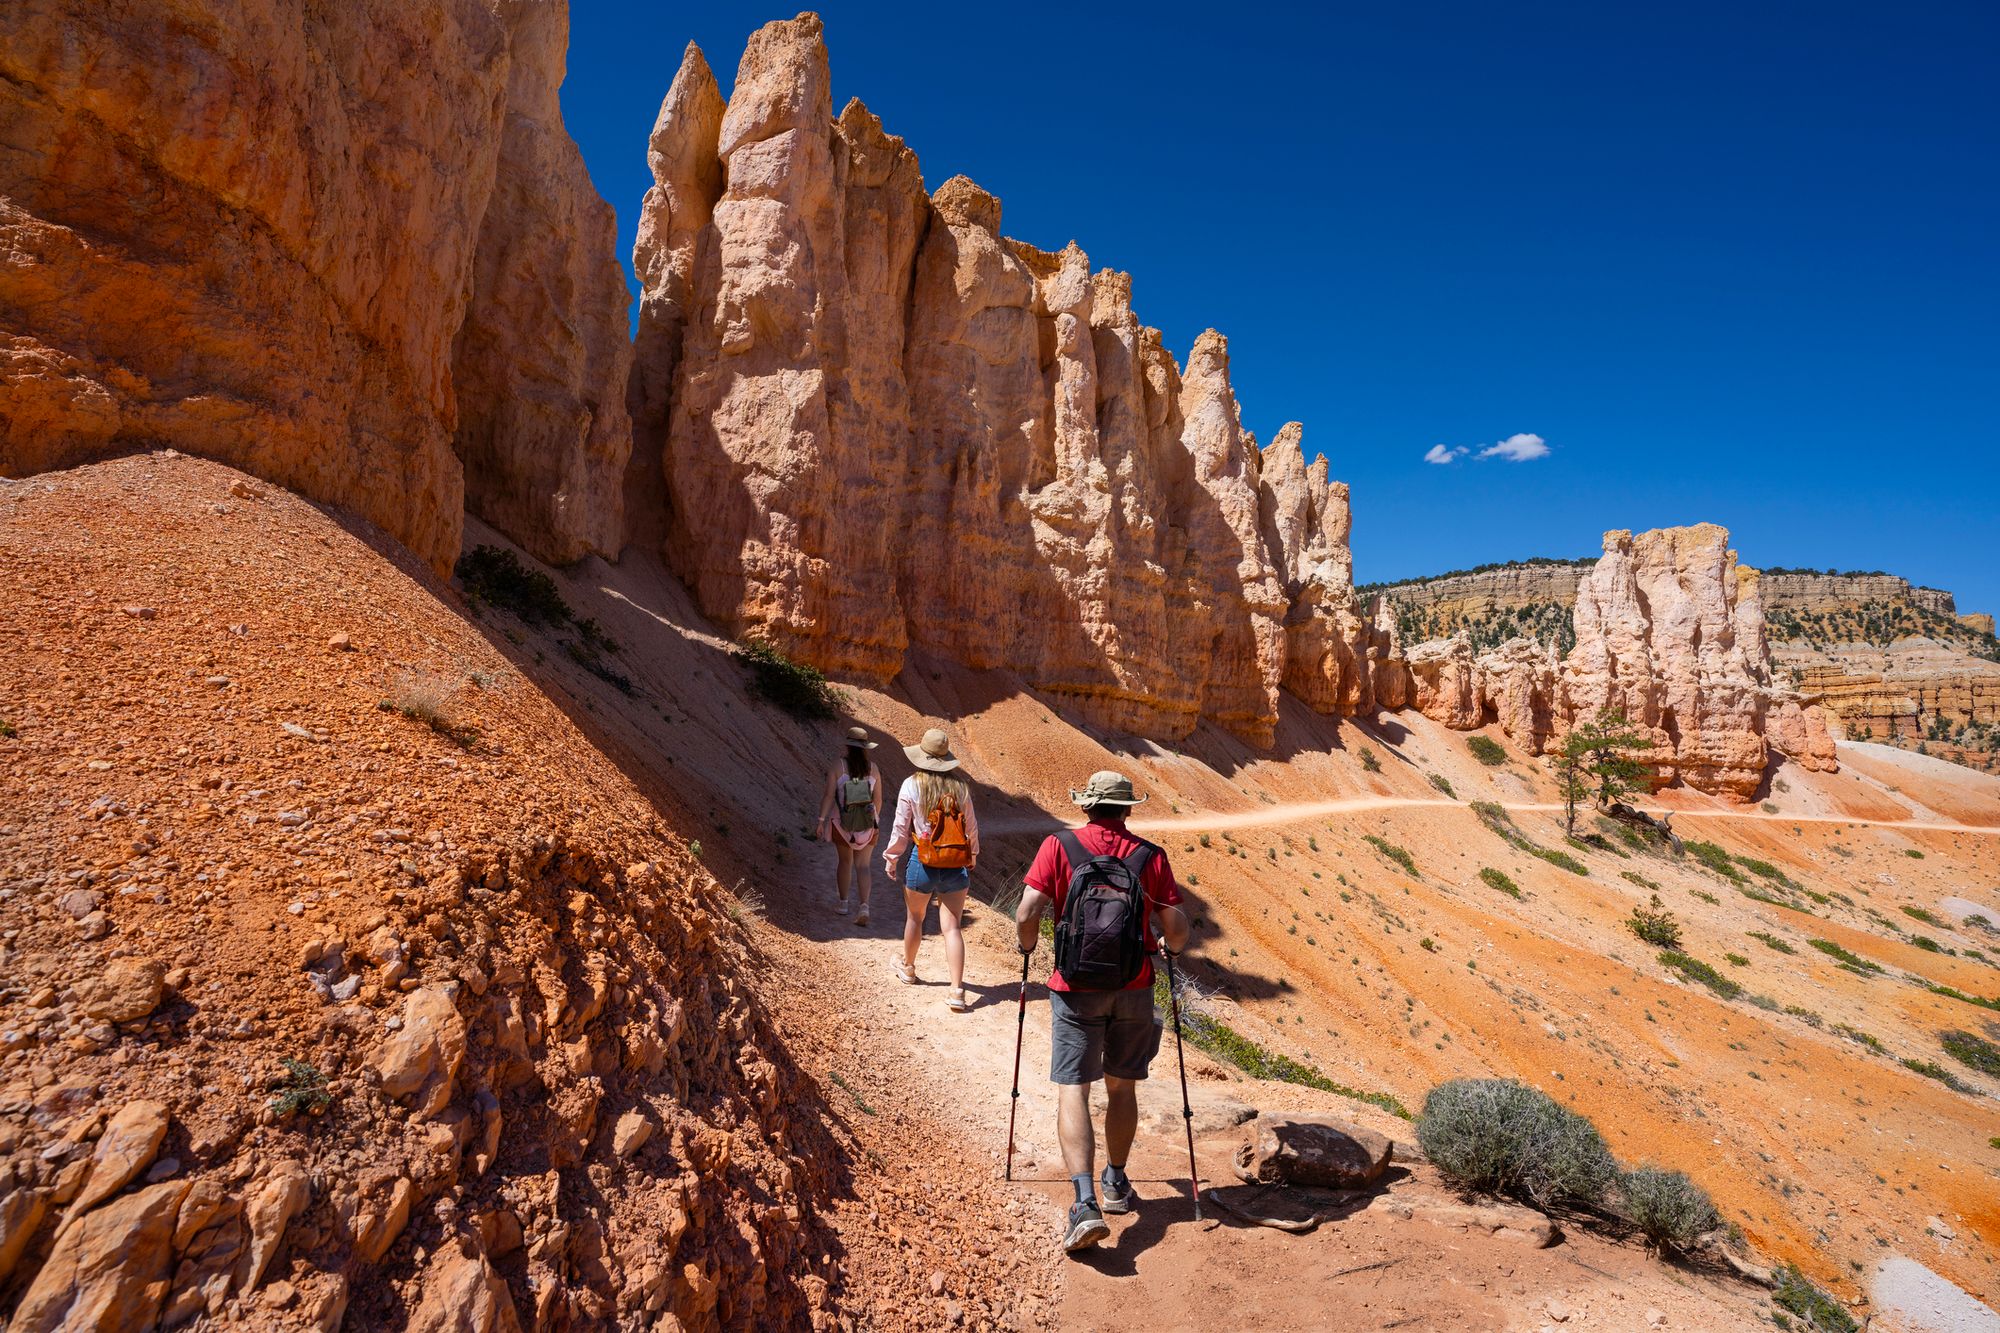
1101, 939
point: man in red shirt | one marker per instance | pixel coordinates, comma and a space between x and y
1108, 1034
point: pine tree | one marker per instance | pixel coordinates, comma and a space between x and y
1597, 760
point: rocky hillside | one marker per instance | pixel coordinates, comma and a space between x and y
340, 975
1532, 599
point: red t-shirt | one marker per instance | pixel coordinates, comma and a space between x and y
1051, 871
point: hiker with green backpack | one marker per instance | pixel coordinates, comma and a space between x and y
936, 827
1115, 902
849, 814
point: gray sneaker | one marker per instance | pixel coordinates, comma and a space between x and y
1114, 1191
1086, 1227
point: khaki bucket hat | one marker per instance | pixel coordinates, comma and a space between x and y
1107, 787
933, 752
859, 736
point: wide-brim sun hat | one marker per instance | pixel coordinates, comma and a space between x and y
1106, 787
933, 752
859, 736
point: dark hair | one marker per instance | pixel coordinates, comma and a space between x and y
857, 760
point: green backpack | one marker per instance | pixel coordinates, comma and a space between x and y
857, 805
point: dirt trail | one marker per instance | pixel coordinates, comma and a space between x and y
1297, 812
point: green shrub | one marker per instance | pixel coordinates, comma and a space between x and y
1772, 941
1640, 880
1369, 762
1497, 879
1209, 1034
1393, 852
1972, 1051
1562, 860
1913, 854
1766, 870
1443, 784
1669, 1209
491, 574
303, 1088
1949, 993
1840, 955
1655, 925
1927, 944
1500, 1136
1696, 970
1486, 750
1736, 960
1859, 1038
795, 687
1822, 1313
1931, 1069
1920, 914
1714, 858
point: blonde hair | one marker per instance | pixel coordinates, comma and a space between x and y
935, 789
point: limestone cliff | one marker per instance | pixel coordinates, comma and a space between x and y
333, 245
887, 427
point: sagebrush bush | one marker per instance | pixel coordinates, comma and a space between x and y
1486, 750
1669, 1209
1972, 1051
1504, 1137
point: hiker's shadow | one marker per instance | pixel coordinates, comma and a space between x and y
1120, 1258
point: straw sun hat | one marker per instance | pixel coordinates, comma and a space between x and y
859, 736
933, 752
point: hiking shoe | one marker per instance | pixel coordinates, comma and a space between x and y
1086, 1227
861, 917
1114, 1191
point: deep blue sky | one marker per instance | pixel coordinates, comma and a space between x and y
1733, 262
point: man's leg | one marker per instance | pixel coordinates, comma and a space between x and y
1121, 1119
1079, 1141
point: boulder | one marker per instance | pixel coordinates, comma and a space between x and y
420, 1063
274, 1200
21, 1213
124, 1150
109, 1269
462, 1294
1312, 1150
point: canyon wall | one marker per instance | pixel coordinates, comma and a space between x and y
882, 426
335, 246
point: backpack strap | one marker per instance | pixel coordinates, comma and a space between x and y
1073, 849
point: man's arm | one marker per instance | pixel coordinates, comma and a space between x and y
1028, 918
1173, 924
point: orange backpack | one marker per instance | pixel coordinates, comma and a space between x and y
946, 846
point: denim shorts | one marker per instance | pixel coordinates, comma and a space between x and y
920, 878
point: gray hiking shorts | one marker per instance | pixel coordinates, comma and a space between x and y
1094, 1033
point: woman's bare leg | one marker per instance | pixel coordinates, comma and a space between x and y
843, 869
863, 876
949, 907
914, 906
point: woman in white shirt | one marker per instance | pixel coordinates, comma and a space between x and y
849, 813
936, 826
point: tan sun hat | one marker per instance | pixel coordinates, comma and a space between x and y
933, 752
1106, 787
859, 736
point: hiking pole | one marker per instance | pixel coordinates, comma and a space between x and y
1187, 1111
1020, 1031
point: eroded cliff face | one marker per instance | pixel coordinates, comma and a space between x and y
1669, 632
887, 427
255, 232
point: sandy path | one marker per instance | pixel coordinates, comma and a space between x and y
1300, 811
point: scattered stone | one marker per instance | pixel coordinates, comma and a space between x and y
95, 926
631, 1133
346, 988
276, 1198
139, 612
21, 1213
341, 643
126, 991
80, 903
294, 729
162, 1169
296, 908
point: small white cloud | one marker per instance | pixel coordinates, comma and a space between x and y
1440, 454
1517, 448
